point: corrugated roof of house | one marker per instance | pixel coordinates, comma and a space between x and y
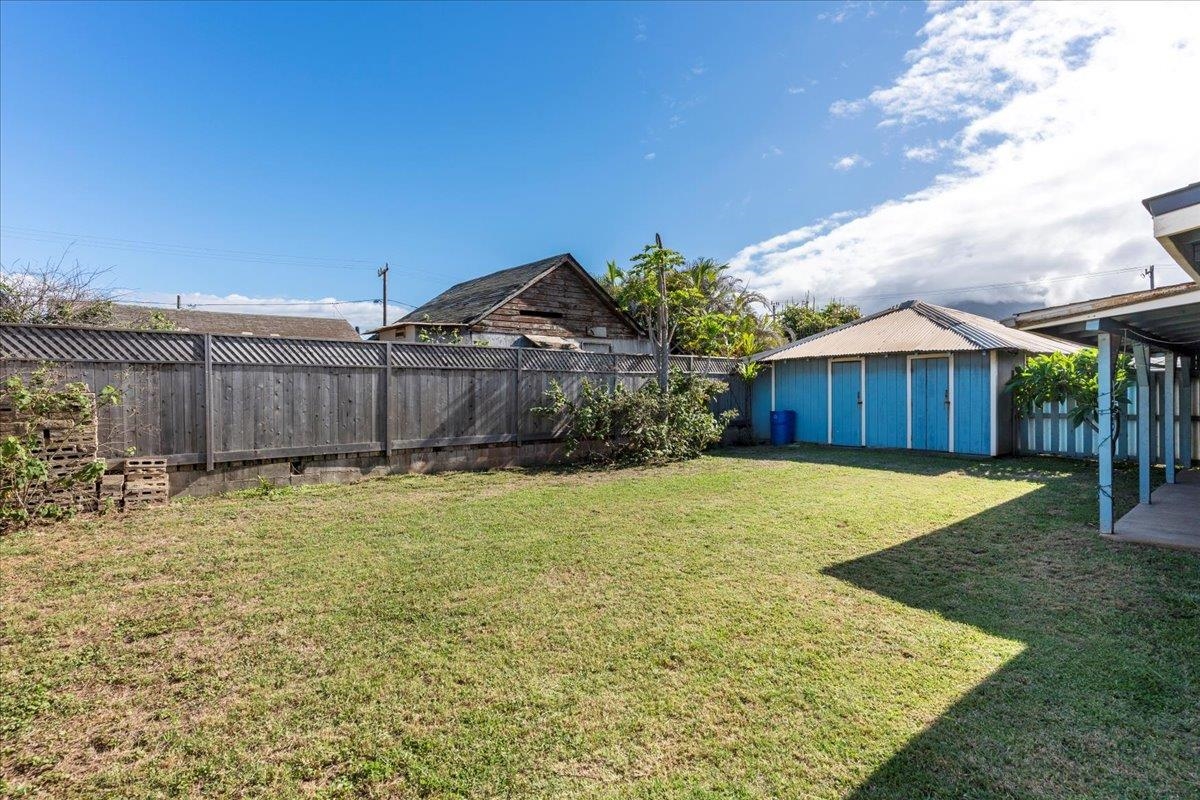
470, 301
231, 324
1051, 313
916, 327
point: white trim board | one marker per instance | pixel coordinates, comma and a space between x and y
993, 404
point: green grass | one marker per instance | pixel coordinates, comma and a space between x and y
758, 623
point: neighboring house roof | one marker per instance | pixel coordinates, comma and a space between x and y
1037, 316
469, 302
915, 327
230, 324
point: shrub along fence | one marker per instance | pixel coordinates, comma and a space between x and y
1049, 430
207, 400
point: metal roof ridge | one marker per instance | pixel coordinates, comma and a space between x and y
822, 334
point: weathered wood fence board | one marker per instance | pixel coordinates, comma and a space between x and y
207, 399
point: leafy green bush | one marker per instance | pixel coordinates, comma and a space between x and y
1059, 378
24, 478
643, 426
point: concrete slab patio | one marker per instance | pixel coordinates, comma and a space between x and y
1170, 519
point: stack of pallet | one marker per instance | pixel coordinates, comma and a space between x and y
145, 482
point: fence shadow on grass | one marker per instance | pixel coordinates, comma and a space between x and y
1104, 701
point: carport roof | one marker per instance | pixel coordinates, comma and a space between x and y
1167, 317
916, 327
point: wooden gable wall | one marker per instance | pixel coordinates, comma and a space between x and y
563, 293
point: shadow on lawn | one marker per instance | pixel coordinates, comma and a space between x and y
918, 462
1105, 699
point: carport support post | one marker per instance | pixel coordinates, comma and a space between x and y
1185, 411
1141, 357
1104, 442
1168, 417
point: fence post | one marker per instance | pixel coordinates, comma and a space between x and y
210, 450
517, 399
387, 399
612, 378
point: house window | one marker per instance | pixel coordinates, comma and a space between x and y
525, 312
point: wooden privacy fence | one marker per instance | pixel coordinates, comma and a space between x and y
207, 399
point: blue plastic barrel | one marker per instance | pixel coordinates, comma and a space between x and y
783, 427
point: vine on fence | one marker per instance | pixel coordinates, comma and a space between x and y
29, 487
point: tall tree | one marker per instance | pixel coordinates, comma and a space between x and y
710, 311
799, 320
54, 294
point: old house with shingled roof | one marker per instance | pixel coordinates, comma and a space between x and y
551, 303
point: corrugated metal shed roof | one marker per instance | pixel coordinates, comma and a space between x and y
916, 327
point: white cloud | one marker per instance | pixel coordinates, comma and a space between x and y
842, 13
847, 108
699, 69
924, 153
364, 314
650, 156
1068, 115
850, 162
639, 29
772, 151
795, 90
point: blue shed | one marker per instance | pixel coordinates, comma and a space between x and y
914, 376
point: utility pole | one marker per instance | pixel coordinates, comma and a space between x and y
178, 302
1149, 272
383, 271
664, 354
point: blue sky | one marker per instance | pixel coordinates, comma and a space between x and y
450, 140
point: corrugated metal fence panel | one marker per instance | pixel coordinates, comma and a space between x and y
887, 395
972, 403
1049, 431
275, 398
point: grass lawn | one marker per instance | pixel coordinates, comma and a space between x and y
759, 623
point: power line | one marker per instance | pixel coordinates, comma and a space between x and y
138, 301
181, 251
981, 287
198, 251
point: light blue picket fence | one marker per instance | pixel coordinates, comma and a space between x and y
1049, 431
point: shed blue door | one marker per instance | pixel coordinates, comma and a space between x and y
931, 403
847, 402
